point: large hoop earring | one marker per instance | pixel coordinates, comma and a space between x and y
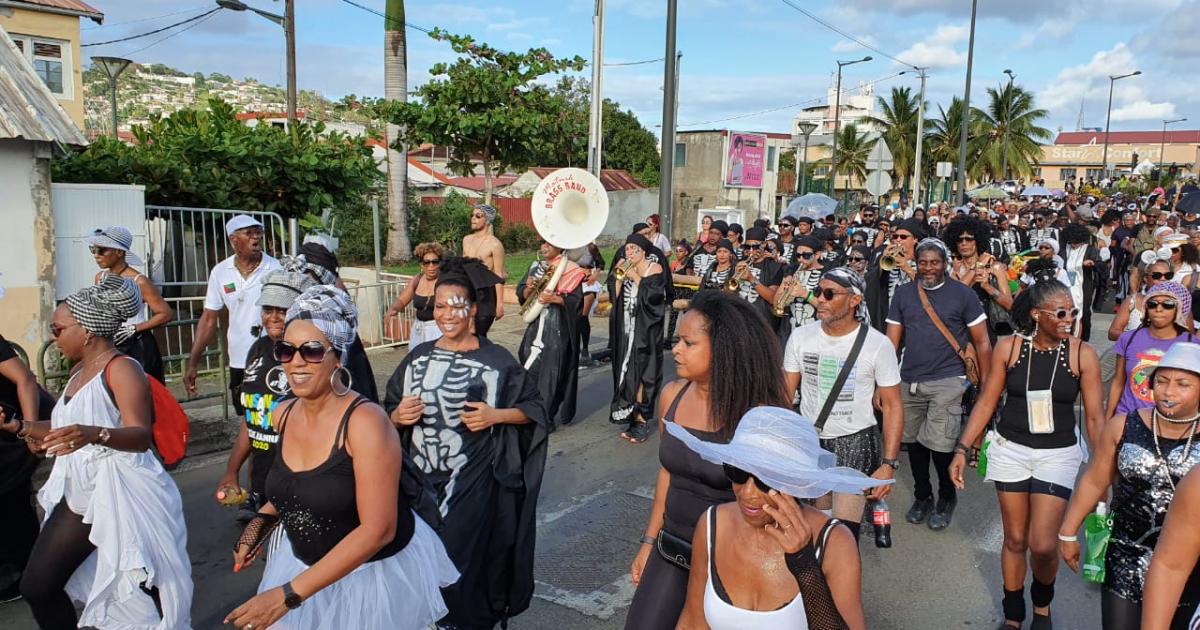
333, 379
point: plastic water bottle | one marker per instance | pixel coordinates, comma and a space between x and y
881, 517
1097, 529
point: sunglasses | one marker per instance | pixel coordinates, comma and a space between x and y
902, 237
1166, 305
828, 294
1062, 313
55, 331
1161, 275
754, 246
805, 255
786, 226
310, 351
96, 250
431, 261
857, 259
739, 476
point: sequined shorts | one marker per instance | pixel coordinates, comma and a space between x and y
860, 451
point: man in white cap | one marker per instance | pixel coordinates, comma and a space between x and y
234, 284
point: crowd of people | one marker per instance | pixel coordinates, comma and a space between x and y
959, 336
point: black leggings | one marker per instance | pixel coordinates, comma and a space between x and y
1118, 613
585, 334
61, 547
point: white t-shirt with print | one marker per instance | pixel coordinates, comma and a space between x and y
818, 358
228, 289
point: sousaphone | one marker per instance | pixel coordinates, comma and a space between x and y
569, 210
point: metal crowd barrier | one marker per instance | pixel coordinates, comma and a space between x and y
372, 300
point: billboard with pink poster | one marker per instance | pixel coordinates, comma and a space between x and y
744, 160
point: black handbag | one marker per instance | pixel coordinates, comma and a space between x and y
674, 549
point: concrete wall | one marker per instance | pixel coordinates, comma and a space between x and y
60, 27
700, 184
626, 207
27, 253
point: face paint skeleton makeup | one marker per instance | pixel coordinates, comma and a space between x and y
461, 307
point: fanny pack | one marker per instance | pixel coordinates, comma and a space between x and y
674, 549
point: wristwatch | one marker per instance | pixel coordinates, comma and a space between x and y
104, 436
290, 598
894, 463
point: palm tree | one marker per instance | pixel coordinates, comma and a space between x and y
898, 120
395, 88
852, 153
1010, 111
942, 138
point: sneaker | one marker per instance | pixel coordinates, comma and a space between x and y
1041, 622
919, 511
639, 431
941, 516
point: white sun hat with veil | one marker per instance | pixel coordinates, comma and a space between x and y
781, 449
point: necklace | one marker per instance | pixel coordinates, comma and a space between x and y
1187, 449
246, 272
1193, 418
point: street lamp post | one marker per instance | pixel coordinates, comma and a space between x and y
1162, 145
1007, 123
288, 22
1112, 80
837, 117
113, 67
806, 128
966, 115
920, 140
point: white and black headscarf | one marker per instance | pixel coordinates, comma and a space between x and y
332, 311
104, 306
847, 278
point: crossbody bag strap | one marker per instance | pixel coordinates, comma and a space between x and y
937, 322
844, 374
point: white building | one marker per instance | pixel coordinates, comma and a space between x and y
856, 104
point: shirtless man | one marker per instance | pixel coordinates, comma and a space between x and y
482, 243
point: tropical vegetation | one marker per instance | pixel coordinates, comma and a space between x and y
898, 118
852, 151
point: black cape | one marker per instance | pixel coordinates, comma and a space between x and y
641, 341
487, 483
550, 353
484, 280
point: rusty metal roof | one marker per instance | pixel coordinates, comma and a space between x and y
612, 178
66, 7
27, 108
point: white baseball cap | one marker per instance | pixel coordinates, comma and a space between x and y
240, 222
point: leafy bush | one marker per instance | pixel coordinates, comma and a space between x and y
518, 237
446, 223
355, 230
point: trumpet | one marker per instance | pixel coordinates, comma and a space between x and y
620, 272
890, 258
739, 273
783, 297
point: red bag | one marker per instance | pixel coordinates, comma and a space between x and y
168, 422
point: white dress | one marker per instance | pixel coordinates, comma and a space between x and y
136, 516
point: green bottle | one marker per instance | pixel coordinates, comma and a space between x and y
1097, 529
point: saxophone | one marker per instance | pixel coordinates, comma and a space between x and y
539, 285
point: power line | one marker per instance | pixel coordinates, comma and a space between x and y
170, 35
148, 19
848, 36
634, 63
157, 30
783, 107
383, 15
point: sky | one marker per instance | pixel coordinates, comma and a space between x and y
747, 65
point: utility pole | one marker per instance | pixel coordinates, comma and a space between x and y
966, 119
596, 123
806, 128
920, 140
666, 203
289, 32
1007, 123
1162, 145
113, 67
837, 118
1112, 80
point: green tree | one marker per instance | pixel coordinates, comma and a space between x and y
488, 106
1010, 112
943, 135
898, 118
852, 153
209, 159
395, 88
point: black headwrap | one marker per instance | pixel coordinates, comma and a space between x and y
638, 227
811, 242
915, 226
719, 225
726, 245
642, 242
756, 234
317, 254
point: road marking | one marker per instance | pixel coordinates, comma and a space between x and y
574, 505
602, 603
645, 492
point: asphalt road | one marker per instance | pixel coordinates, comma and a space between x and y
594, 504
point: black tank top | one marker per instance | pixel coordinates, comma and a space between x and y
318, 507
1041, 367
696, 484
422, 304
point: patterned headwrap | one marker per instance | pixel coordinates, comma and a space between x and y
847, 278
1176, 291
933, 243
103, 307
300, 264
489, 212
332, 312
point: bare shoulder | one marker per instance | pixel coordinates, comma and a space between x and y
493, 245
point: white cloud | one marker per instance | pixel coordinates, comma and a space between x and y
1143, 110
847, 46
1088, 83
940, 49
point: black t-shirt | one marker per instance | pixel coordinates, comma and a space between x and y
927, 354
264, 386
16, 462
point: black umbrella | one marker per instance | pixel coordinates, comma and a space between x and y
1189, 202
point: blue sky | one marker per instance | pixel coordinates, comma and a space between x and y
739, 56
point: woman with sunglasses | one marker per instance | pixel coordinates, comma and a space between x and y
113, 537
349, 535
1129, 314
110, 247
1168, 320
765, 560
859, 258
419, 293
978, 269
1142, 457
719, 335
1034, 451
473, 421
706, 223
1186, 260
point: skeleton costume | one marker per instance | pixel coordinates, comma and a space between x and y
882, 284
635, 334
713, 279
549, 350
487, 482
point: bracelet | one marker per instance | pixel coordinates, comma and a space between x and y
962, 448
648, 540
22, 430
1068, 538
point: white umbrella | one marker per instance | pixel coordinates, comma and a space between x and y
815, 206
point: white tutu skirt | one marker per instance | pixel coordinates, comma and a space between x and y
402, 592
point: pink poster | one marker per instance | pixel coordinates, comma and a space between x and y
744, 162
